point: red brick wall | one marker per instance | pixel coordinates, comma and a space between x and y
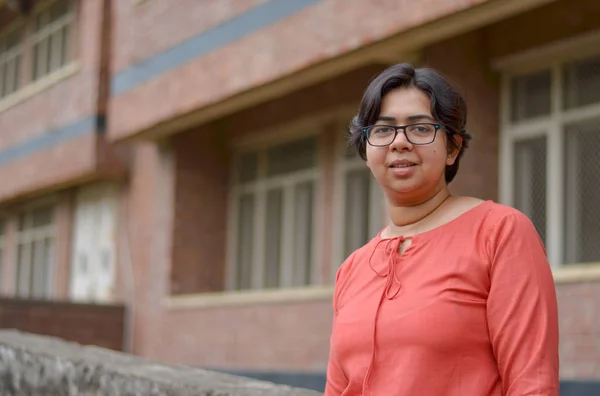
343, 91
62, 165
139, 36
292, 336
288, 336
258, 58
463, 60
295, 335
579, 310
146, 243
69, 100
200, 219
202, 164
278, 336
555, 21
77, 97
86, 324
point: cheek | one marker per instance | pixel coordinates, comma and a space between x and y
375, 156
434, 157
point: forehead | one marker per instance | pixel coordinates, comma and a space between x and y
401, 103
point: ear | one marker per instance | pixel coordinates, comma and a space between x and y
455, 149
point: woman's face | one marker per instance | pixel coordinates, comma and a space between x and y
408, 172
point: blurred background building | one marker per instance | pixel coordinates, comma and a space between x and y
174, 180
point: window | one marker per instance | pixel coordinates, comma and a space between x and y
273, 202
10, 60
50, 42
551, 151
36, 46
360, 204
35, 252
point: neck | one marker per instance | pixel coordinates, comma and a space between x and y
409, 214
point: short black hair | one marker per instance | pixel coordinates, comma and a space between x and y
447, 106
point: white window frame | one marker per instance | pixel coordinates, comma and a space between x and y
47, 31
27, 84
30, 235
378, 214
261, 143
549, 57
7, 56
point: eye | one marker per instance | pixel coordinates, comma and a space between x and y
382, 130
421, 128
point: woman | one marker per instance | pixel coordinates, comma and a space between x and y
455, 296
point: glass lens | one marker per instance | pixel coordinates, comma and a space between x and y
420, 133
381, 135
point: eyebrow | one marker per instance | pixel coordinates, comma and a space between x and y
418, 117
386, 118
414, 117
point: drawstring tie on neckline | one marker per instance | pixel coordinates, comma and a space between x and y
392, 248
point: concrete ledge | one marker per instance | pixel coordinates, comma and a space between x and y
36, 365
577, 273
252, 297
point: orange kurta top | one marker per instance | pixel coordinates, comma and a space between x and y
468, 310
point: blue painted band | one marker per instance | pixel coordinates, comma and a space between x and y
205, 42
52, 138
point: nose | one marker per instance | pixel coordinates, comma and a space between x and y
400, 142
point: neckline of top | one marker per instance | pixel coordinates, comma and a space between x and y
432, 232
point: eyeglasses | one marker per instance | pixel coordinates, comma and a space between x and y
418, 134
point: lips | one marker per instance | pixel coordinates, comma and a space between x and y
402, 164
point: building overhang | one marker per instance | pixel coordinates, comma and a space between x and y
402, 46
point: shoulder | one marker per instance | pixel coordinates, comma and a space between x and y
344, 268
351, 263
350, 269
502, 219
489, 217
341, 280
510, 231
492, 224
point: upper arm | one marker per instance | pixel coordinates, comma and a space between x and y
340, 281
336, 378
522, 309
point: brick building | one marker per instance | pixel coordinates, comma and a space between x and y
190, 160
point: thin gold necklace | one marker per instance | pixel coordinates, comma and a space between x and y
428, 214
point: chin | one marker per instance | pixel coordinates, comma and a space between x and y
404, 186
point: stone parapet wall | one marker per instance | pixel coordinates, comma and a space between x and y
37, 365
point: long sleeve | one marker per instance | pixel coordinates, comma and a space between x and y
522, 309
336, 379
